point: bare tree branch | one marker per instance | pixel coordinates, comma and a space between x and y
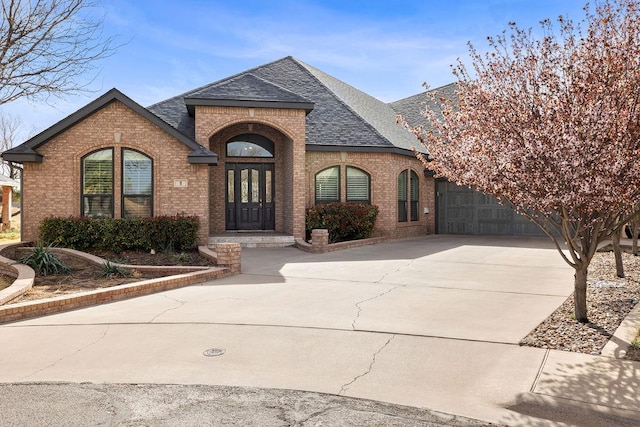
48, 47
9, 128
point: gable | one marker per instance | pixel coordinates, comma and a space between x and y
27, 151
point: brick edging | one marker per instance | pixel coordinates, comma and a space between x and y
29, 309
186, 275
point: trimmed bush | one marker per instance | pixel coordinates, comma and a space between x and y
161, 233
345, 221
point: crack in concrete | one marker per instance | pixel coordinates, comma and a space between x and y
373, 361
396, 270
68, 355
180, 305
353, 324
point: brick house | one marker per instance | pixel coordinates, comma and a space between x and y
246, 153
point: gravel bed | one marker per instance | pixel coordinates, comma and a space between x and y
609, 300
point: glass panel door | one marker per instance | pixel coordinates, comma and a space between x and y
250, 197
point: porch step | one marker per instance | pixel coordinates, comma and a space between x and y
254, 240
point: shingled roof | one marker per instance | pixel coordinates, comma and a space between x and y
413, 107
342, 117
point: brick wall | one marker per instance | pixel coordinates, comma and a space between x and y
286, 128
53, 187
384, 169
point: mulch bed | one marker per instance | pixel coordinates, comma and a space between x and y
86, 276
609, 300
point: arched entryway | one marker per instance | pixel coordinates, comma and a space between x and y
258, 184
250, 182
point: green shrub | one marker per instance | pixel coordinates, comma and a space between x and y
117, 234
345, 221
44, 262
110, 270
182, 257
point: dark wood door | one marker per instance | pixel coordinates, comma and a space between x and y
250, 196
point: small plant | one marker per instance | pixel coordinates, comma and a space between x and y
635, 343
44, 262
110, 270
182, 257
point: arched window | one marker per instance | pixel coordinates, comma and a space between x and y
358, 185
328, 185
137, 184
408, 196
402, 197
414, 195
97, 184
250, 145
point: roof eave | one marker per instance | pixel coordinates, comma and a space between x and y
202, 156
360, 149
191, 103
31, 157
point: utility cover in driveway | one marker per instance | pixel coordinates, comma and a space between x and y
461, 210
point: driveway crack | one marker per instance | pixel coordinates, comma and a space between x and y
368, 371
359, 303
68, 355
384, 276
180, 305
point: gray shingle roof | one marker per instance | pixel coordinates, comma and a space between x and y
343, 117
413, 107
246, 87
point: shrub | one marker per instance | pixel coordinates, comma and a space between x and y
110, 270
118, 234
44, 262
345, 221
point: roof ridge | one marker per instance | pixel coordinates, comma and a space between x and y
250, 73
187, 93
424, 92
365, 121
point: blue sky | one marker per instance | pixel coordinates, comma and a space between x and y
385, 48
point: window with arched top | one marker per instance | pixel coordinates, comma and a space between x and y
97, 184
137, 184
250, 145
358, 185
408, 196
328, 185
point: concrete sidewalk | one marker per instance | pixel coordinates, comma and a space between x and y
430, 323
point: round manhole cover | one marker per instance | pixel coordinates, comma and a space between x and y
212, 352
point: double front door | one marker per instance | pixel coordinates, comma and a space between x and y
250, 196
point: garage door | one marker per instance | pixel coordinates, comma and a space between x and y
461, 210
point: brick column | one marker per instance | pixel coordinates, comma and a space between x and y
228, 255
319, 240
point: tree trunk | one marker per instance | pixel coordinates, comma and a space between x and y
634, 237
615, 237
580, 293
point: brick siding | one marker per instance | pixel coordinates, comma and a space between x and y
53, 187
384, 169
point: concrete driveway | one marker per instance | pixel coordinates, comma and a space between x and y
431, 322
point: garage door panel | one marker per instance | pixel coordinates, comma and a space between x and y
462, 210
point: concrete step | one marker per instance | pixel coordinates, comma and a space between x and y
254, 240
